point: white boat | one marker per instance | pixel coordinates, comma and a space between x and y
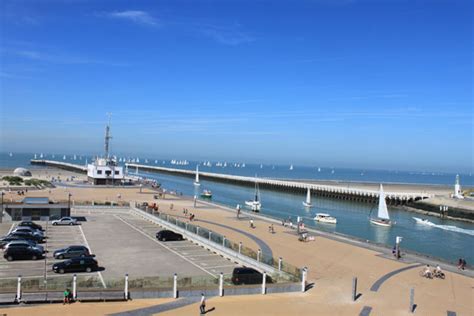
291, 167
382, 219
422, 221
35, 156
41, 155
255, 205
319, 169
206, 194
196, 181
307, 203
325, 218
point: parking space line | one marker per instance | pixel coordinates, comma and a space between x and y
164, 246
225, 266
11, 228
87, 245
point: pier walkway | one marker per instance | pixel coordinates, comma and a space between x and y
355, 192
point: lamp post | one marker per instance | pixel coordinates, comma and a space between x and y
69, 203
1, 214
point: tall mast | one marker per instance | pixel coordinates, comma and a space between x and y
107, 137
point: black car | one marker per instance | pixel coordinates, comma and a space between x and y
31, 224
22, 251
168, 235
28, 236
248, 276
71, 252
80, 264
6, 239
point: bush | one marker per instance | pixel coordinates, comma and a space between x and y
13, 180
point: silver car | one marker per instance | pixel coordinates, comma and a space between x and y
23, 242
65, 221
27, 229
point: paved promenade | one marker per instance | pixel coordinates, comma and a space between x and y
384, 283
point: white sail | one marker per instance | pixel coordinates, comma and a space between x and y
308, 197
196, 181
383, 211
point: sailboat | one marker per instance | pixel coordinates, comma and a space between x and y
255, 205
291, 167
196, 181
382, 219
307, 203
35, 156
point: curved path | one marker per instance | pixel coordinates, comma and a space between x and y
377, 284
266, 250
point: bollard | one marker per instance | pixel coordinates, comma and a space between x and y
280, 261
74, 287
221, 284
175, 286
186, 226
223, 241
240, 247
303, 279
125, 290
259, 253
197, 230
167, 217
354, 289
210, 234
18, 290
412, 300
264, 283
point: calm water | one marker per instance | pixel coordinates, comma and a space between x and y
444, 239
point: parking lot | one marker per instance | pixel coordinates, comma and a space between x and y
122, 243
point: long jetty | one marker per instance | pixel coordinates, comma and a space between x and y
60, 164
334, 191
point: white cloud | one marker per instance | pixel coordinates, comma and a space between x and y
135, 16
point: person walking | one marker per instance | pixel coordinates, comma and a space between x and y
202, 307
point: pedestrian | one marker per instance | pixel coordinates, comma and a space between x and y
202, 307
251, 223
464, 263
460, 263
67, 297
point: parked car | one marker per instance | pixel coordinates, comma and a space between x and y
22, 251
28, 229
31, 224
7, 239
168, 235
28, 236
14, 243
72, 252
244, 275
65, 221
80, 264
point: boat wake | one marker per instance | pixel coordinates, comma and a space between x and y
444, 227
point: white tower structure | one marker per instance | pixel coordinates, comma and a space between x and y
105, 170
457, 189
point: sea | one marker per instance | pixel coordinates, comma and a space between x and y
444, 239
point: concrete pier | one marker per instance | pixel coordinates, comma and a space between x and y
340, 191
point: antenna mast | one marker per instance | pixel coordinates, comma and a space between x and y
107, 137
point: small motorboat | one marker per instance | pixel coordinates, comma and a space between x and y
206, 194
325, 218
422, 221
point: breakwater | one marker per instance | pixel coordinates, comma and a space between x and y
339, 191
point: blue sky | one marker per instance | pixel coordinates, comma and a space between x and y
370, 84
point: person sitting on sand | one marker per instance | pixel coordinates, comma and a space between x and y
67, 297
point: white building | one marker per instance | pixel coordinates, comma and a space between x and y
457, 189
104, 171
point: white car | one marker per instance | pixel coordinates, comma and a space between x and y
65, 221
